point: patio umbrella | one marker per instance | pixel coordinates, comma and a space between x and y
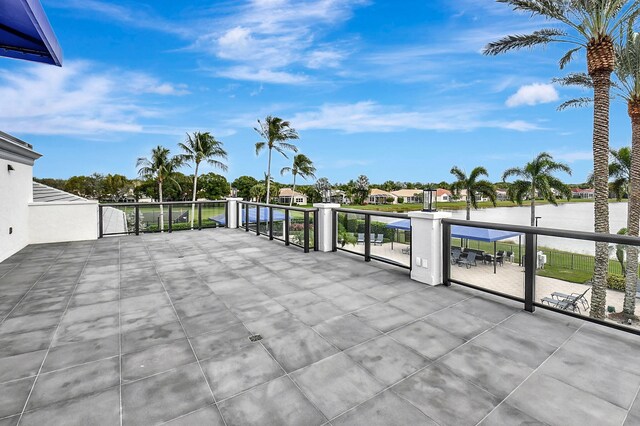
403, 224
486, 235
25, 33
278, 216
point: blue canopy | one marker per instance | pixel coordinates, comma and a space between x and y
481, 234
404, 224
278, 216
25, 33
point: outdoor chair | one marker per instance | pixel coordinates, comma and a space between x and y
573, 297
565, 305
500, 258
468, 261
406, 250
372, 238
379, 240
510, 256
455, 256
360, 238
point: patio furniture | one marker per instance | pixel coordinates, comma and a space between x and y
378, 240
510, 256
565, 305
468, 261
455, 255
406, 250
500, 258
360, 238
573, 297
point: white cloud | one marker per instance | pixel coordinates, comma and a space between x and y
573, 156
368, 116
262, 75
78, 99
533, 94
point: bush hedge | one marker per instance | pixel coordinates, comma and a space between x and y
616, 282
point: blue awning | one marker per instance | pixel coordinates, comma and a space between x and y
278, 216
404, 224
481, 234
25, 33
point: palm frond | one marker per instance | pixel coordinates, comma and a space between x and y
575, 103
568, 57
574, 79
520, 41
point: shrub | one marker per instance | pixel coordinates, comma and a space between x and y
616, 282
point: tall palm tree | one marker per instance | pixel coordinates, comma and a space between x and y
591, 25
159, 167
302, 166
199, 147
275, 132
473, 186
536, 178
620, 171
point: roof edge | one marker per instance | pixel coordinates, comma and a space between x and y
14, 149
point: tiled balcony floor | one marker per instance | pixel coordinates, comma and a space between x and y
152, 329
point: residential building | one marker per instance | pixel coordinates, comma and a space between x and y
502, 195
285, 195
409, 196
588, 193
443, 195
378, 196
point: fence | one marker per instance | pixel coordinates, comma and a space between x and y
380, 236
292, 225
554, 294
136, 218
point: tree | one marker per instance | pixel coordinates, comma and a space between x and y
593, 26
160, 167
259, 190
302, 166
324, 187
312, 193
115, 186
361, 189
199, 147
473, 186
244, 184
214, 186
620, 170
536, 178
275, 132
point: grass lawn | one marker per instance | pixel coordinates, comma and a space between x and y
565, 274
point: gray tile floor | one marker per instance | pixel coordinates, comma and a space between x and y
154, 329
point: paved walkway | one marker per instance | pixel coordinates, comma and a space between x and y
152, 329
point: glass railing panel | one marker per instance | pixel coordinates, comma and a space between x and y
391, 239
350, 232
493, 265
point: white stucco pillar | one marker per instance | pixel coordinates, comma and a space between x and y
325, 230
232, 212
426, 246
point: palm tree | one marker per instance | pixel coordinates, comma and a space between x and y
302, 166
201, 147
593, 26
159, 167
620, 171
275, 132
473, 186
536, 178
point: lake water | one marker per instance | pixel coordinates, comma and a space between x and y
574, 216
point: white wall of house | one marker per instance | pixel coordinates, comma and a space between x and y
16, 193
64, 221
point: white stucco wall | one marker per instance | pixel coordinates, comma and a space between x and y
16, 193
54, 222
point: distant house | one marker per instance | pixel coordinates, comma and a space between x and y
462, 196
284, 197
338, 196
443, 195
501, 195
409, 196
588, 193
378, 196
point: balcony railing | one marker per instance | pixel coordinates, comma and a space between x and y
295, 226
381, 236
531, 274
137, 218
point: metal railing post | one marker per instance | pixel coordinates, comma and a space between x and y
334, 230
199, 217
257, 220
170, 218
446, 254
137, 225
315, 230
100, 222
306, 232
286, 227
271, 223
246, 218
367, 238
226, 214
530, 243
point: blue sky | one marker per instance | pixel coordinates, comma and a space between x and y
392, 89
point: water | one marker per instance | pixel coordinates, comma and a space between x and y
574, 216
